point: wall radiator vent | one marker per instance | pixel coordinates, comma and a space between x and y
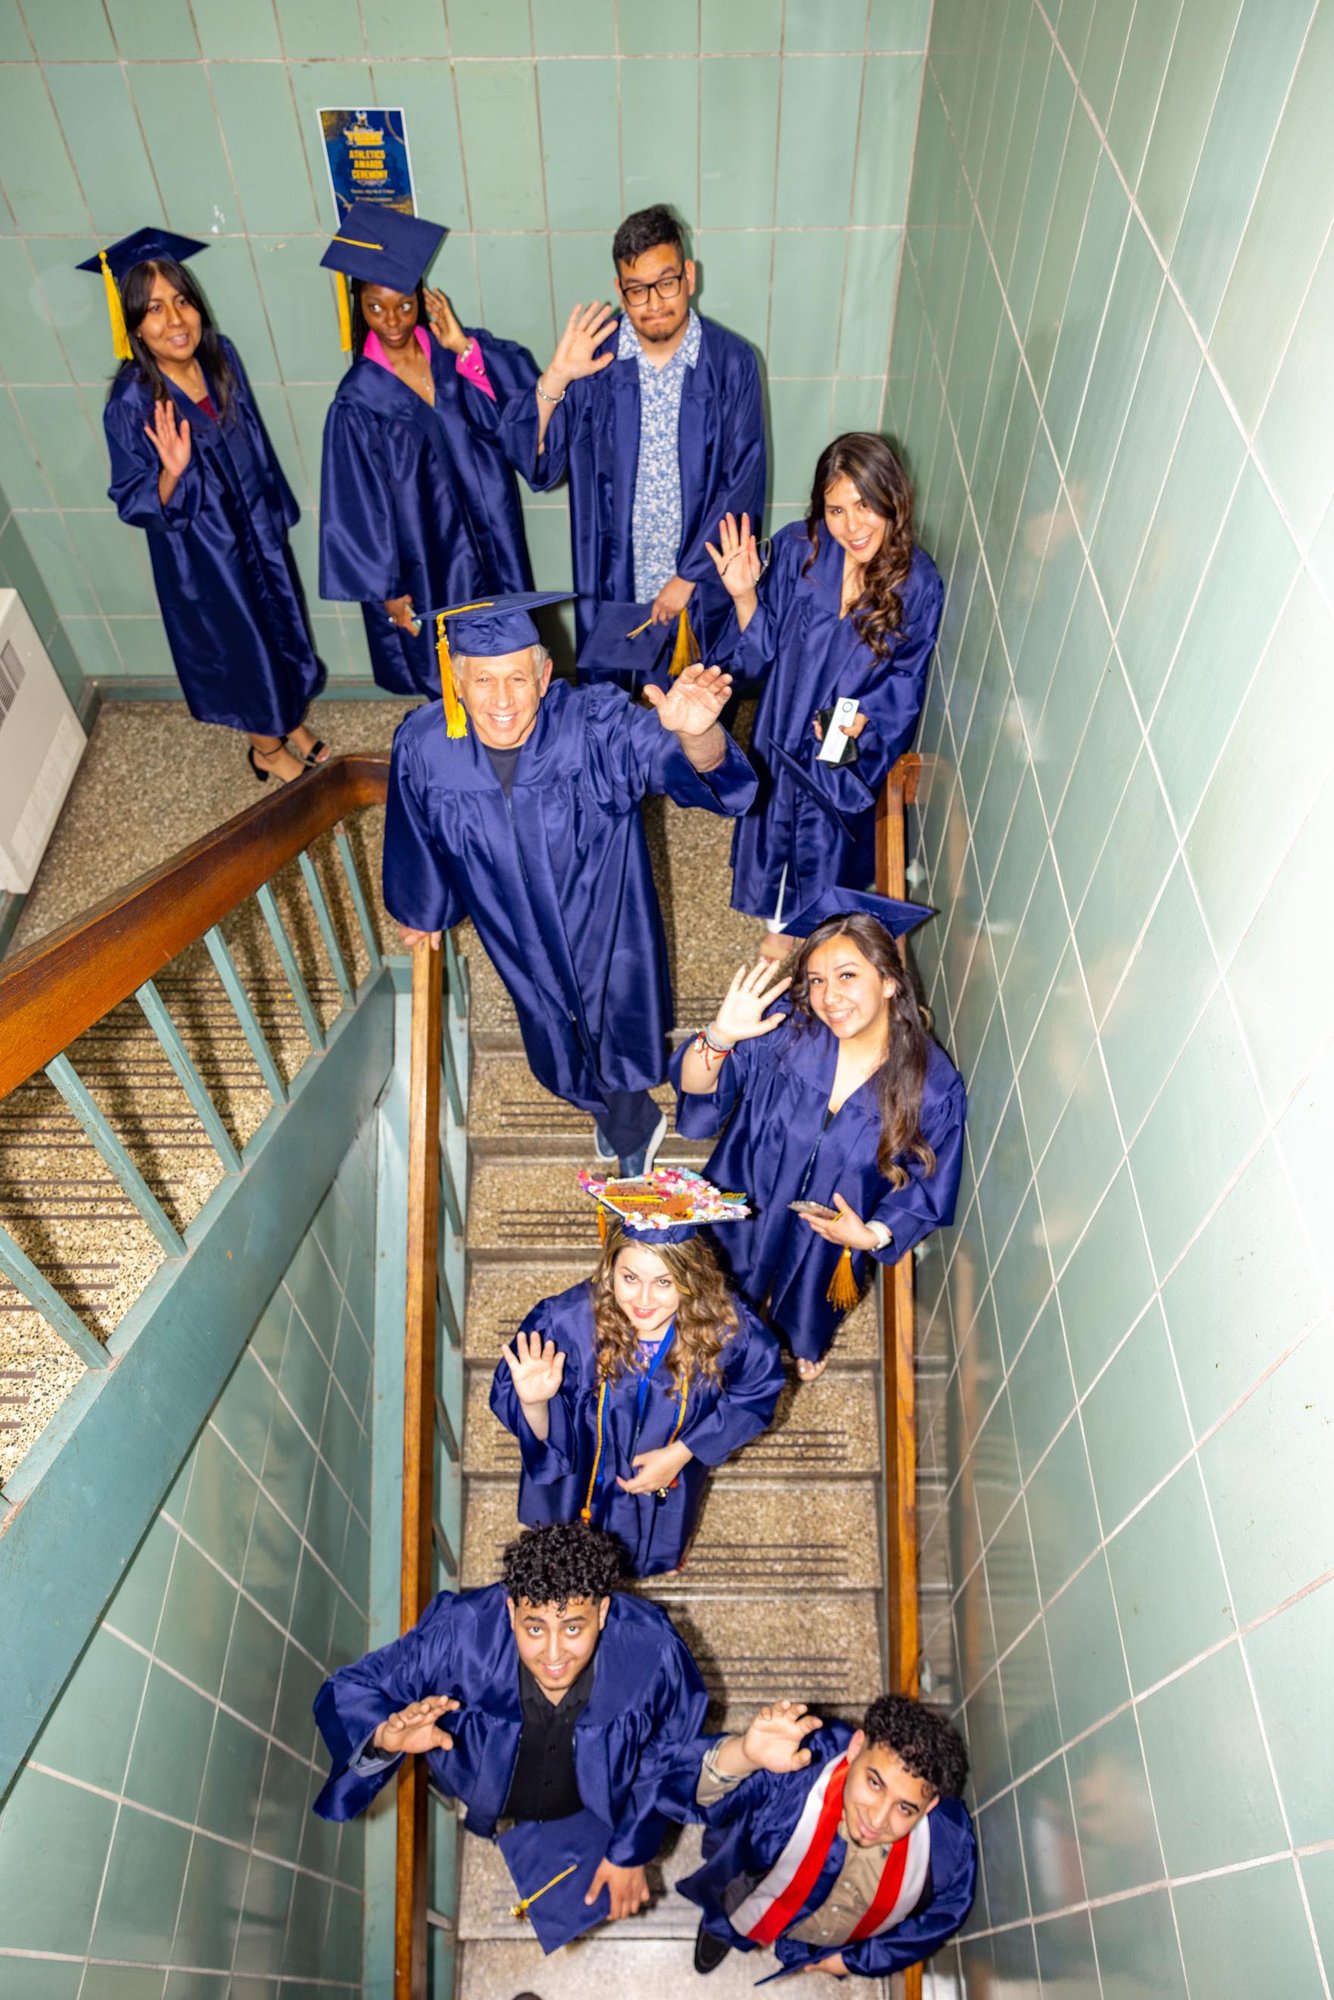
40, 746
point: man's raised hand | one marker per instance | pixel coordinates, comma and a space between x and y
694, 701
577, 349
775, 1738
536, 1369
414, 1729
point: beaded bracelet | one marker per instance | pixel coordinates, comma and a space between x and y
704, 1048
548, 399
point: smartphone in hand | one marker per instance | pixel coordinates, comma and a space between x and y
816, 1208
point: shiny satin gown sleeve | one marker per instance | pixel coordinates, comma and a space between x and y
680, 1700
353, 1702
752, 1371
639, 756
738, 484
419, 889
557, 1455
135, 467
359, 554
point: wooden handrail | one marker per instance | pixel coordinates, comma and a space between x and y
419, 1395
898, 1339
57, 988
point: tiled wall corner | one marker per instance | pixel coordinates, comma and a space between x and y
160, 1839
781, 130
1113, 376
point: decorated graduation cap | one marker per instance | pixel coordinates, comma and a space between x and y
667, 1205
483, 630
379, 246
117, 260
898, 918
552, 1864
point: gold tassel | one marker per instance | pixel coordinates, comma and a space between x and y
525, 1903
685, 653
342, 287
842, 1293
456, 716
120, 339
602, 1224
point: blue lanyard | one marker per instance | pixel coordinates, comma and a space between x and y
641, 1397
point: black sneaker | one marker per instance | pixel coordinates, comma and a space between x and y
710, 1951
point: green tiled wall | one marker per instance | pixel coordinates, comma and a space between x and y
1113, 370
782, 129
159, 1840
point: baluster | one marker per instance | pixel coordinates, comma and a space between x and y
445, 1426
24, 1275
358, 895
456, 977
264, 896
94, 1122
205, 1110
453, 1090
245, 1014
325, 922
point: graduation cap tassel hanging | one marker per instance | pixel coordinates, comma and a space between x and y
842, 1292
456, 716
685, 653
343, 286
521, 1908
120, 339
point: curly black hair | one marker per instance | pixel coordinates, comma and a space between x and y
930, 1747
563, 1560
645, 230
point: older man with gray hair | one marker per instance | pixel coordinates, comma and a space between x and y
517, 804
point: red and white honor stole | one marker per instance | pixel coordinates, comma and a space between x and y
777, 1900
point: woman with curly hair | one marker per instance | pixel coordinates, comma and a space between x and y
838, 1113
848, 607
625, 1390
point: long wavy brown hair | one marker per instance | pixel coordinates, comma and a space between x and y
901, 1076
870, 464
706, 1318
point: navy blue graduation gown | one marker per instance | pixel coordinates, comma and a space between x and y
230, 596
593, 437
749, 1827
647, 1701
770, 1107
805, 657
719, 1419
556, 878
421, 500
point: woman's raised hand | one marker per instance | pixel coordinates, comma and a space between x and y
741, 1015
535, 1368
444, 320
577, 349
737, 559
170, 440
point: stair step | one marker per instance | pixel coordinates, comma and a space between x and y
750, 1536
825, 1429
509, 1112
609, 1961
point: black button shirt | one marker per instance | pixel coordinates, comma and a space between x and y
544, 1785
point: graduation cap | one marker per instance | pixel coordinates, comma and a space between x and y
116, 262
897, 918
664, 1206
552, 1864
783, 760
624, 646
380, 246
485, 629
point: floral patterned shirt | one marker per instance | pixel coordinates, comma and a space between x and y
656, 517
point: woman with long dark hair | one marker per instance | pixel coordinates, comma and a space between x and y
191, 464
419, 506
847, 609
838, 1113
625, 1391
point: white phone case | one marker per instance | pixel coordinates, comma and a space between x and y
836, 736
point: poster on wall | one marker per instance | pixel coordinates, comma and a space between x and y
367, 153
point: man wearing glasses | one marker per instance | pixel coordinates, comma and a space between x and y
656, 418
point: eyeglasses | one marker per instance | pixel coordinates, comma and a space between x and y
666, 288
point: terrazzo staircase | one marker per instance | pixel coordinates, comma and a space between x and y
781, 1594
